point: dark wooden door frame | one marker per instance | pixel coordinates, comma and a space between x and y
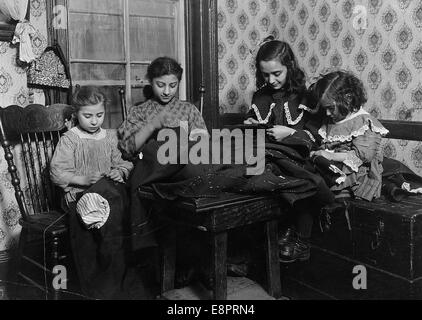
202, 56
59, 36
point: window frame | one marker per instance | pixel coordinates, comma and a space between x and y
128, 83
200, 53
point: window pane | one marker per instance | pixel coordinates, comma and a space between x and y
104, 6
96, 32
139, 82
142, 30
152, 29
138, 73
114, 111
95, 36
152, 7
102, 72
96, 29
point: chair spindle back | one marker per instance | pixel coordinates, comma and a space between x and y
34, 132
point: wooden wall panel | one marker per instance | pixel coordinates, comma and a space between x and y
201, 52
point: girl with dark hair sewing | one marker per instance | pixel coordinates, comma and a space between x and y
283, 103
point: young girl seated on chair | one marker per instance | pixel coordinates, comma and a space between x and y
87, 152
351, 137
87, 162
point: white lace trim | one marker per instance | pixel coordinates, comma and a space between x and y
406, 186
290, 121
287, 113
258, 114
310, 135
341, 179
343, 138
353, 162
303, 107
335, 169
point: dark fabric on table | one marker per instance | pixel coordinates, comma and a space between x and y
322, 165
394, 175
288, 173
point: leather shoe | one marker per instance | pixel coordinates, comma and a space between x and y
237, 270
288, 236
185, 277
296, 250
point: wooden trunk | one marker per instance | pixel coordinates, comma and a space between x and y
384, 237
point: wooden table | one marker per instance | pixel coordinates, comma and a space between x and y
216, 216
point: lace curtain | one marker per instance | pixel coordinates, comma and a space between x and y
16, 9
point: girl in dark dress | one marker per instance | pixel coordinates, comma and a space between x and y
282, 102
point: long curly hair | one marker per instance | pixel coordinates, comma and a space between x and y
341, 88
279, 50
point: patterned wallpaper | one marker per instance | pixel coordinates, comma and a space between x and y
13, 90
378, 40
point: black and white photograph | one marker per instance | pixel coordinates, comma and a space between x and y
207, 156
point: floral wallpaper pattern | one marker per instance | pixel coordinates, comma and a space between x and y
378, 40
13, 90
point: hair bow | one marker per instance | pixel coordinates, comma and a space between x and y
259, 45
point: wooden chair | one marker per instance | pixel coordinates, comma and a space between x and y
34, 132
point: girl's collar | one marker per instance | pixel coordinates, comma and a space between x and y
277, 94
353, 126
171, 102
100, 134
361, 111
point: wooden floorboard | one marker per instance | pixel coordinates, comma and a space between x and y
238, 288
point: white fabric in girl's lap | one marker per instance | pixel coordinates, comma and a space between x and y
93, 210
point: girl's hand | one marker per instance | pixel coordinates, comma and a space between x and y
156, 123
115, 176
159, 120
280, 132
250, 121
92, 178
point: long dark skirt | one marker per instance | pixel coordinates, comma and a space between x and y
99, 254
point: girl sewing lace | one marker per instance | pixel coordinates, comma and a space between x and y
281, 100
282, 103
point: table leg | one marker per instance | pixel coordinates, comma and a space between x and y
168, 262
219, 264
272, 259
